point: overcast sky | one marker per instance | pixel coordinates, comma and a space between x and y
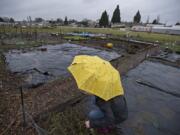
168, 10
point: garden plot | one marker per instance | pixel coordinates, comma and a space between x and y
45, 63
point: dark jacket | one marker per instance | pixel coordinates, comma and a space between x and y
115, 111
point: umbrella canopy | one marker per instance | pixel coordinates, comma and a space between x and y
96, 76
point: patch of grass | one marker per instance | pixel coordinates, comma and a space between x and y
170, 41
22, 44
176, 48
172, 46
4, 48
69, 122
144, 36
1, 59
153, 37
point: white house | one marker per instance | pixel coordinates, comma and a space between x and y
141, 28
117, 25
174, 30
155, 25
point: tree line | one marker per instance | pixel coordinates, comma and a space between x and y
103, 21
116, 18
10, 20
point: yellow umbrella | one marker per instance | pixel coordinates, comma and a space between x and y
96, 76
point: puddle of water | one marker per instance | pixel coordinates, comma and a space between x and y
49, 62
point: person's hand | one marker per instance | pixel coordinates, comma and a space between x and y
87, 124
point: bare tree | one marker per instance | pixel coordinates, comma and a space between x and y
29, 20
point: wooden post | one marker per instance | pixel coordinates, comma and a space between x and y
22, 105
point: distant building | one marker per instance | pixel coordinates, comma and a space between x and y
155, 25
91, 23
43, 24
87, 23
141, 28
2, 23
73, 24
173, 30
118, 25
6, 19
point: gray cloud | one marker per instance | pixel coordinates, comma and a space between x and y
78, 9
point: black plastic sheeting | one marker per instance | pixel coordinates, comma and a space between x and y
49, 62
173, 57
152, 111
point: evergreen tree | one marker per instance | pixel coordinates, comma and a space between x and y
116, 18
59, 20
178, 23
1, 19
11, 20
155, 21
137, 17
66, 21
84, 22
38, 19
104, 21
